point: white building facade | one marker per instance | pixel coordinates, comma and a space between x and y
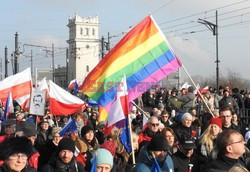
84, 45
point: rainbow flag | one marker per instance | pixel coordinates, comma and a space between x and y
143, 55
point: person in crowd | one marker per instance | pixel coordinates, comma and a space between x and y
9, 127
187, 99
230, 144
149, 99
43, 135
93, 119
15, 152
152, 129
50, 147
183, 157
207, 142
99, 132
104, 160
226, 117
228, 101
64, 159
79, 122
171, 139
133, 113
165, 118
137, 123
238, 98
247, 100
64, 120
88, 111
173, 103
88, 137
218, 96
238, 168
157, 148
28, 130
185, 127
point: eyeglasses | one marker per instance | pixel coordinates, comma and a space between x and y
226, 116
241, 141
155, 125
16, 156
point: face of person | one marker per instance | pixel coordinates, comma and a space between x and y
32, 139
164, 117
236, 145
56, 138
160, 155
89, 135
234, 118
226, 117
188, 152
66, 156
154, 125
10, 129
135, 143
45, 126
79, 119
170, 138
103, 168
17, 162
187, 122
215, 129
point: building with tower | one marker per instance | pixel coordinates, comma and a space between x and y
84, 46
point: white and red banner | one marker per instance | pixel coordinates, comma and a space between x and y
62, 102
120, 107
20, 85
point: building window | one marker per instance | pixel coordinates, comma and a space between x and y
93, 32
81, 31
87, 68
87, 31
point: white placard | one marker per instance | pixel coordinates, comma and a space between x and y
37, 102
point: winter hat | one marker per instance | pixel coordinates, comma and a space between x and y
186, 115
187, 142
216, 121
110, 146
15, 145
85, 130
158, 143
160, 106
9, 122
191, 89
103, 156
66, 144
28, 129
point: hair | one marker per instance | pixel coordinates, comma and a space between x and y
225, 108
56, 130
223, 140
165, 112
151, 118
207, 139
163, 132
238, 168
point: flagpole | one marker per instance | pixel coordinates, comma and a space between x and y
131, 140
197, 90
144, 113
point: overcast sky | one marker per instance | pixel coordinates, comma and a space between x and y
44, 22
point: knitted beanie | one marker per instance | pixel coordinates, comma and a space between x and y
216, 121
110, 146
103, 156
158, 143
66, 144
85, 130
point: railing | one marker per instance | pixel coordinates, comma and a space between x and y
244, 115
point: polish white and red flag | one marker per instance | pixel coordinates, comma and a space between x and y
62, 102
20, 85
120, 106
43, 86
79, 82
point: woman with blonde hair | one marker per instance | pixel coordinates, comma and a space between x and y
207, 141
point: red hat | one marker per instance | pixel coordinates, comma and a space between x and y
216, 121
110, 146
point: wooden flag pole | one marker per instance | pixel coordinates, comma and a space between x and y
138, 107
197, 90
131, 140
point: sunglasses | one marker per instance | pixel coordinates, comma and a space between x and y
155, 125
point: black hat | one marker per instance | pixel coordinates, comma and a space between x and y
221, 87
9, 122
190, 89
158, 143
44, 120
86, 129
187, 142
66, 144
15, 145
28, 128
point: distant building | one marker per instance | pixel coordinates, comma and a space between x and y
60, 76
83, 46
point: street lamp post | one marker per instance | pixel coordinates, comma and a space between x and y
214, 28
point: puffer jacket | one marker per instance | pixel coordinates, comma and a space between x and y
146, 161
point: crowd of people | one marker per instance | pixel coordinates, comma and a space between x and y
185, 131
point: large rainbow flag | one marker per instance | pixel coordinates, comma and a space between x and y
143, 55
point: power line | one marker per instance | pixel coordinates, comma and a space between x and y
162, 6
